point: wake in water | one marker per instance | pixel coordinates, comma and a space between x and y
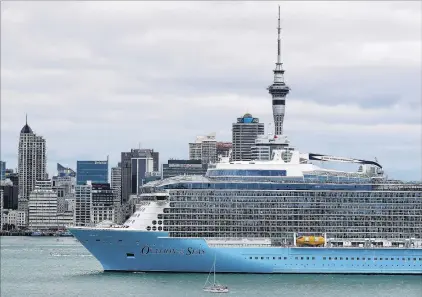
53, 254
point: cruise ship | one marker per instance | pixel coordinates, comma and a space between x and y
286, 214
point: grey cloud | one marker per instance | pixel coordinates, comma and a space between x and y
97, 78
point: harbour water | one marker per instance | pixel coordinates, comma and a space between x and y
49, 266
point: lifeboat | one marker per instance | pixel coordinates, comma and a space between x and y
310, 241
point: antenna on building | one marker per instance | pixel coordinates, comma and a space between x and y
278, 40
26, 119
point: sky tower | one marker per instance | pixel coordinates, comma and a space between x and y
278, 89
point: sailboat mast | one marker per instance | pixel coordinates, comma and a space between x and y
214, 268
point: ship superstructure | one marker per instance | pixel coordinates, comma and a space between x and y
282, 215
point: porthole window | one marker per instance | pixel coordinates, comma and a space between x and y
149, 228
154, 228
160, 228
154, 222
160, 222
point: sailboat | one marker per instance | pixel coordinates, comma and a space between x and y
214, 287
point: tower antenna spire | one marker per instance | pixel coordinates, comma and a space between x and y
26, 119
279, 89
279, 39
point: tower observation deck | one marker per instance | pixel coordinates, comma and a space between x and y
278, 89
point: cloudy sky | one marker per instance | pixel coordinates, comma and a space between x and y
97, 78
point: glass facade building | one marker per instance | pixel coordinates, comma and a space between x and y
135, 166
95, 171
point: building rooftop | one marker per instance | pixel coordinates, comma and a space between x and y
26, 129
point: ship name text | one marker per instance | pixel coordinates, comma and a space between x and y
190, 251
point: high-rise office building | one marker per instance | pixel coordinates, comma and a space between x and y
102, 203
82, 208
204, 148
2, 170
244, 133
42, 206
134, 166
10, 194
95, 171
32, 161
116, 181
183, 167
94, 203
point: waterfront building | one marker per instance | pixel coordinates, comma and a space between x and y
10, 194
32, 161
94, 203
134, 167
42, 206
102, 203
223, 149
65, 219
95, 171
244, 133
82, 208
204, 148
183, 167
13, 219
2, 170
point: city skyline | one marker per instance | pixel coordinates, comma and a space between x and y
78, 93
